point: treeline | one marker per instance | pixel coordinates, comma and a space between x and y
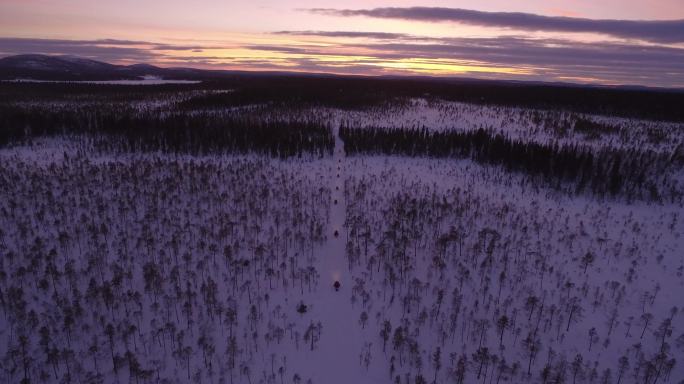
349, 92
343, 96
88, 92
360, 92
602, 172
363, 93
594, 129
196, 133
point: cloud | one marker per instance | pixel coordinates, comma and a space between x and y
275, 48
515, 50
660, 31
350, 34
523, 58
105, 50
543, 59
169, 47
102, 49
508, 51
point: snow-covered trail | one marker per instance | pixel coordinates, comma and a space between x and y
336, 358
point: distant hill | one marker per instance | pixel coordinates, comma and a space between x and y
72, 68
44, 67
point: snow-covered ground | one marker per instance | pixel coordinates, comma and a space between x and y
489, 246
173, 268
529, 125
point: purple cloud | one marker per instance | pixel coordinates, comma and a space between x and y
661, 31
350, 34
543, 59
104, 49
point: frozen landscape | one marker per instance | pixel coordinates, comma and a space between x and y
177, 233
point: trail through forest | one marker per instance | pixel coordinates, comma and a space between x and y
336, 357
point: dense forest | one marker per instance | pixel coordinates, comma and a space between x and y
473, 279
604, 172
362, 93
263, 120
128, 130
153, 270
273, 230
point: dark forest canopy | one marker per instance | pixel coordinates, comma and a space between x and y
357, 92
269, 115
608, 171
126, 130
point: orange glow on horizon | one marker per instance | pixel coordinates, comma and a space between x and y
214, 34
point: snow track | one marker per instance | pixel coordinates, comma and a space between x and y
336, 358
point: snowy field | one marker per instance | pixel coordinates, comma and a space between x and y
170, 268
522, 123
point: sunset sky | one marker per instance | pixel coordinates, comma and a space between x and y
594, 41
